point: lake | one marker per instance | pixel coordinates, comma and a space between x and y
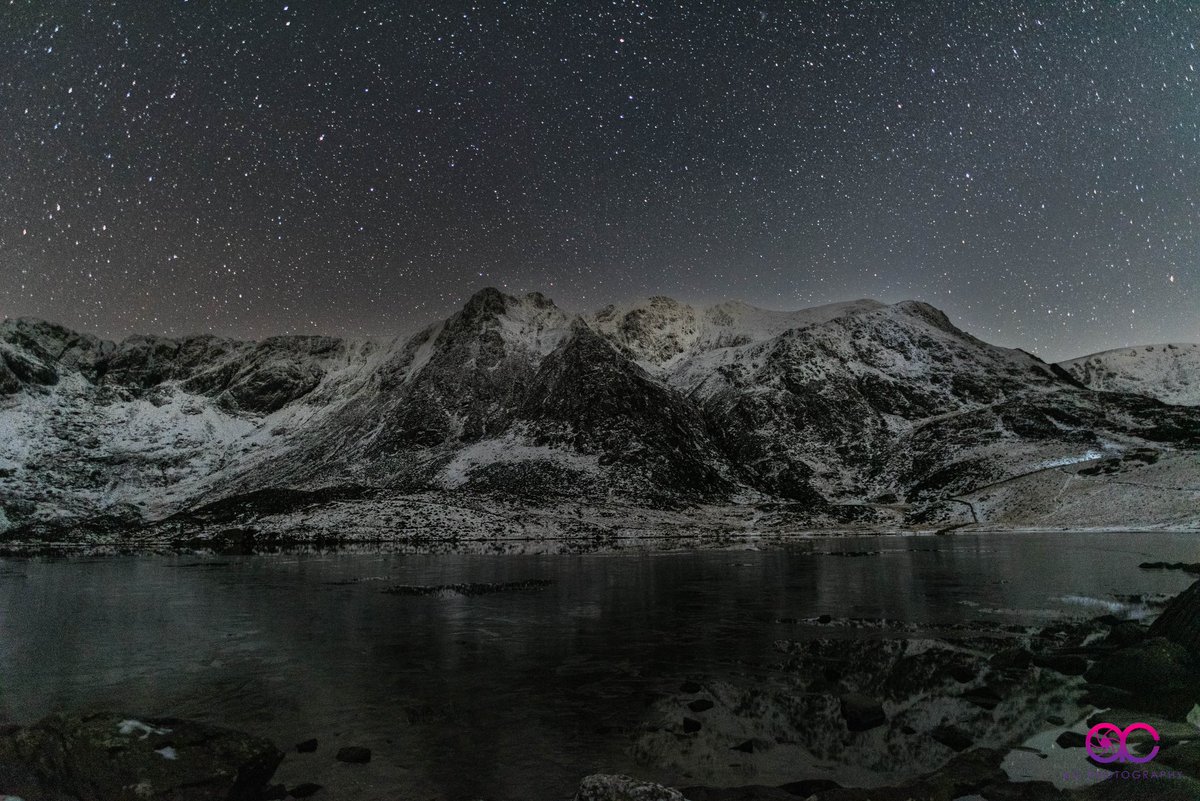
515, 694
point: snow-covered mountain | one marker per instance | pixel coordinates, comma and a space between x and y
513, 417
1170, 373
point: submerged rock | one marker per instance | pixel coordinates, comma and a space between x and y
1125, 633
112, 757
1186, 567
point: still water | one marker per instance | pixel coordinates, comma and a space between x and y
510, 695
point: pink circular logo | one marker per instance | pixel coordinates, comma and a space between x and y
1107, 742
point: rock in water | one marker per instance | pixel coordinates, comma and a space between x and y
603, 787
1180, 621
112, 757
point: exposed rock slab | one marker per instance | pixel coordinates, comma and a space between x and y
113, 757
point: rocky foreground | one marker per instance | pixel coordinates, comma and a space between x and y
859, 694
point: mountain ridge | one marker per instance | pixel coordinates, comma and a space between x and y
859, 413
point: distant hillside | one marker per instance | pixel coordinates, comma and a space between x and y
1170, 373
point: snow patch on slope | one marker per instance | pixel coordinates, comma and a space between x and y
660, 332
509, 450
1169, 373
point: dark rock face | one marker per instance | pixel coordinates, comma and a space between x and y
1126, 633
1011, 659
1067, 664
111, 757
354, 755
51, 344
10, 383
1159, 675
590, 397
472, 382
17, 369
862, 712
276, 372
1180, 621
1070, 739
952, 737
306, 790
984, 697
141, 362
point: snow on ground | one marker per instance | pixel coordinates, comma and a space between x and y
1062, 461
661, 332
75, 447
1164, 495
1170, 373
506, 451
143, 730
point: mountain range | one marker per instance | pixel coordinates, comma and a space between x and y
514, 419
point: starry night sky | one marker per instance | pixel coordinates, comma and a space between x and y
361, 168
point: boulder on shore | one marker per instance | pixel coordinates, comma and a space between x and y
1180, 620
114, 757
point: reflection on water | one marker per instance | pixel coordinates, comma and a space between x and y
506, 695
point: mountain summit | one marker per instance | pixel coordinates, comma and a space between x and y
513, 415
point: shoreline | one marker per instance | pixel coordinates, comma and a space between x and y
214, 545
